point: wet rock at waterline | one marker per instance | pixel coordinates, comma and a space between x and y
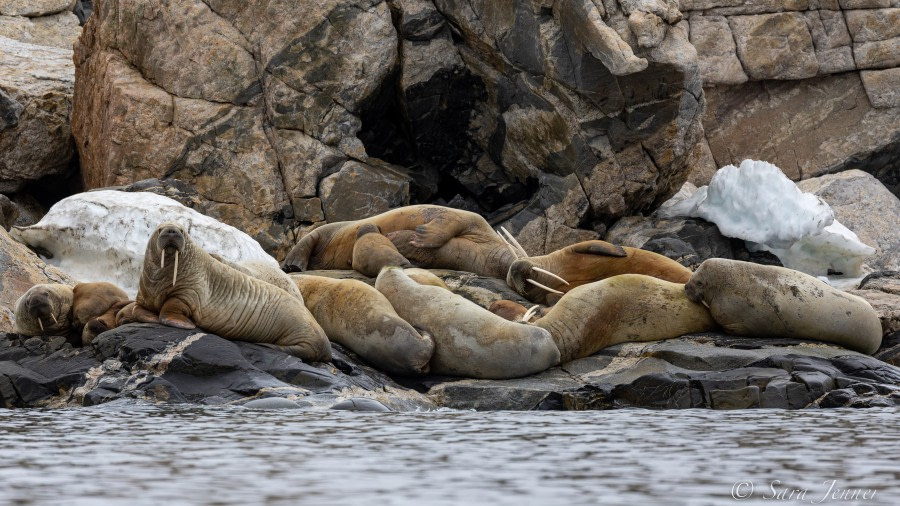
164, 364
161, 364
699, 371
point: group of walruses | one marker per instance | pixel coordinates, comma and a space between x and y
598, 294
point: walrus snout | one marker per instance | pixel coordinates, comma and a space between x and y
693, 290
515, 277
39, 305
171, 237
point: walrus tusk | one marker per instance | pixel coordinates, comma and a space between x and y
508, 245
549, 274
528, 314
514, 241
41, 324
162, 260
704, 303
175, 272
535, 283
54, 318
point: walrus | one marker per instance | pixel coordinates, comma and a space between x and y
188, 288
57, 309
106, 321
264, 271
372, 251
469, 340
766, 301
586, 262
622, 309
45, 310
359, 317
515, 312
432, 230
425, 277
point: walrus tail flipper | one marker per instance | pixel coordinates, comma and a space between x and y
437, 232
176, 313
599, 248
306, 352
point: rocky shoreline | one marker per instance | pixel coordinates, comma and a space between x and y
150, 363
563, 122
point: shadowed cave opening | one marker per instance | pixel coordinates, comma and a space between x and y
426, 129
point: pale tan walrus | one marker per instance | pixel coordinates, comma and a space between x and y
622, 309
359, 317
755, 300
188, 288
469, 340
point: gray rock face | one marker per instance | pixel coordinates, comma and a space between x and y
35, 99
57, 30
862, 204
700, 371
814, 127
835, 104
497, 107
882, 290
163, 364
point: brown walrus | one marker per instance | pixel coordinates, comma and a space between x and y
102, 323
469, 340
622, 309
432, 229
359, 317
583, 263
766, 301
56, 309
372, 251
188, 288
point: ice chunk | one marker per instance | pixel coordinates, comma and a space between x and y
102, 235
758, 203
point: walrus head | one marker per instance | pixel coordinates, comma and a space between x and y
170, 241
49, 305
520, 278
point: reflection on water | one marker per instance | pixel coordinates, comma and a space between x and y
159, 455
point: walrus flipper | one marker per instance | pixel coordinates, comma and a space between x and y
600, 248
136, 313
437, 232
175, 313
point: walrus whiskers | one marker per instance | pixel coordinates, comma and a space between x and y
538, 269
535, 283
41, 324
175, 271
514, 241
508, 245
528, 314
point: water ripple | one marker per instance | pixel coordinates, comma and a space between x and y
219, 456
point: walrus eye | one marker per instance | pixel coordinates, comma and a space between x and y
538, 269
535, 283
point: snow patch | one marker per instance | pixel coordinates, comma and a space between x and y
102, 235
758, 203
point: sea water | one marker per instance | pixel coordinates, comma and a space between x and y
170, 455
